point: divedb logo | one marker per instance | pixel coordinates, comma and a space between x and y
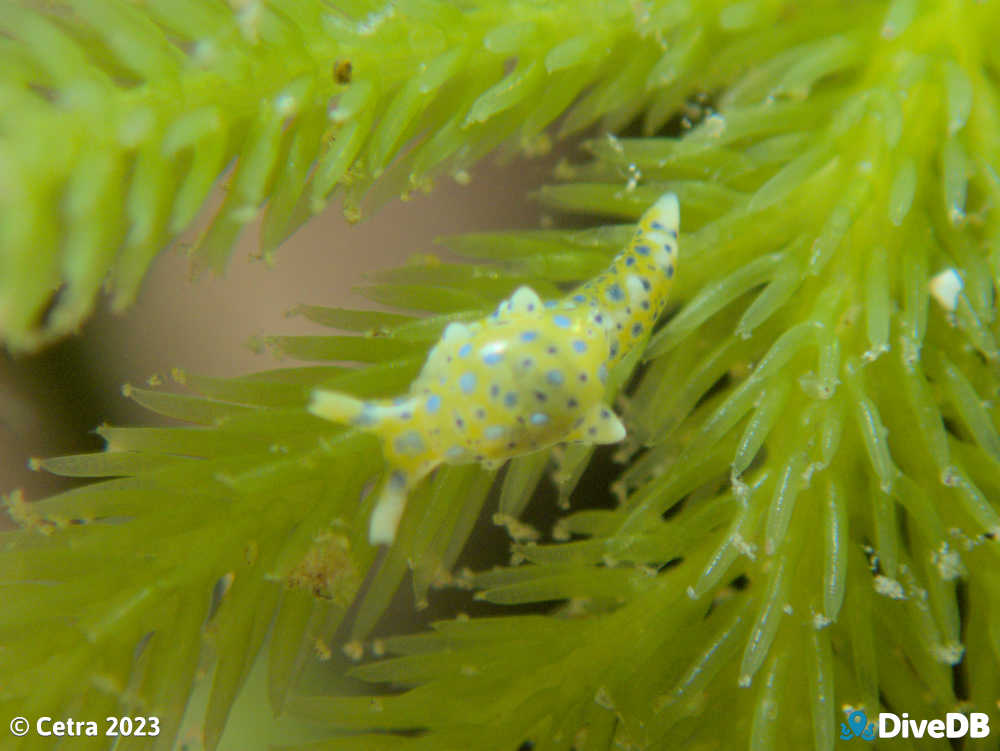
889, 725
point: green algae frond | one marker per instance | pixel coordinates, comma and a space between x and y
806, 518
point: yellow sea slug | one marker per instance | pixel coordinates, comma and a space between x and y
528, 376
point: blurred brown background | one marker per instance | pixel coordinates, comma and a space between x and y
51, 402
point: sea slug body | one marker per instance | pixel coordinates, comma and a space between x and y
530, 375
